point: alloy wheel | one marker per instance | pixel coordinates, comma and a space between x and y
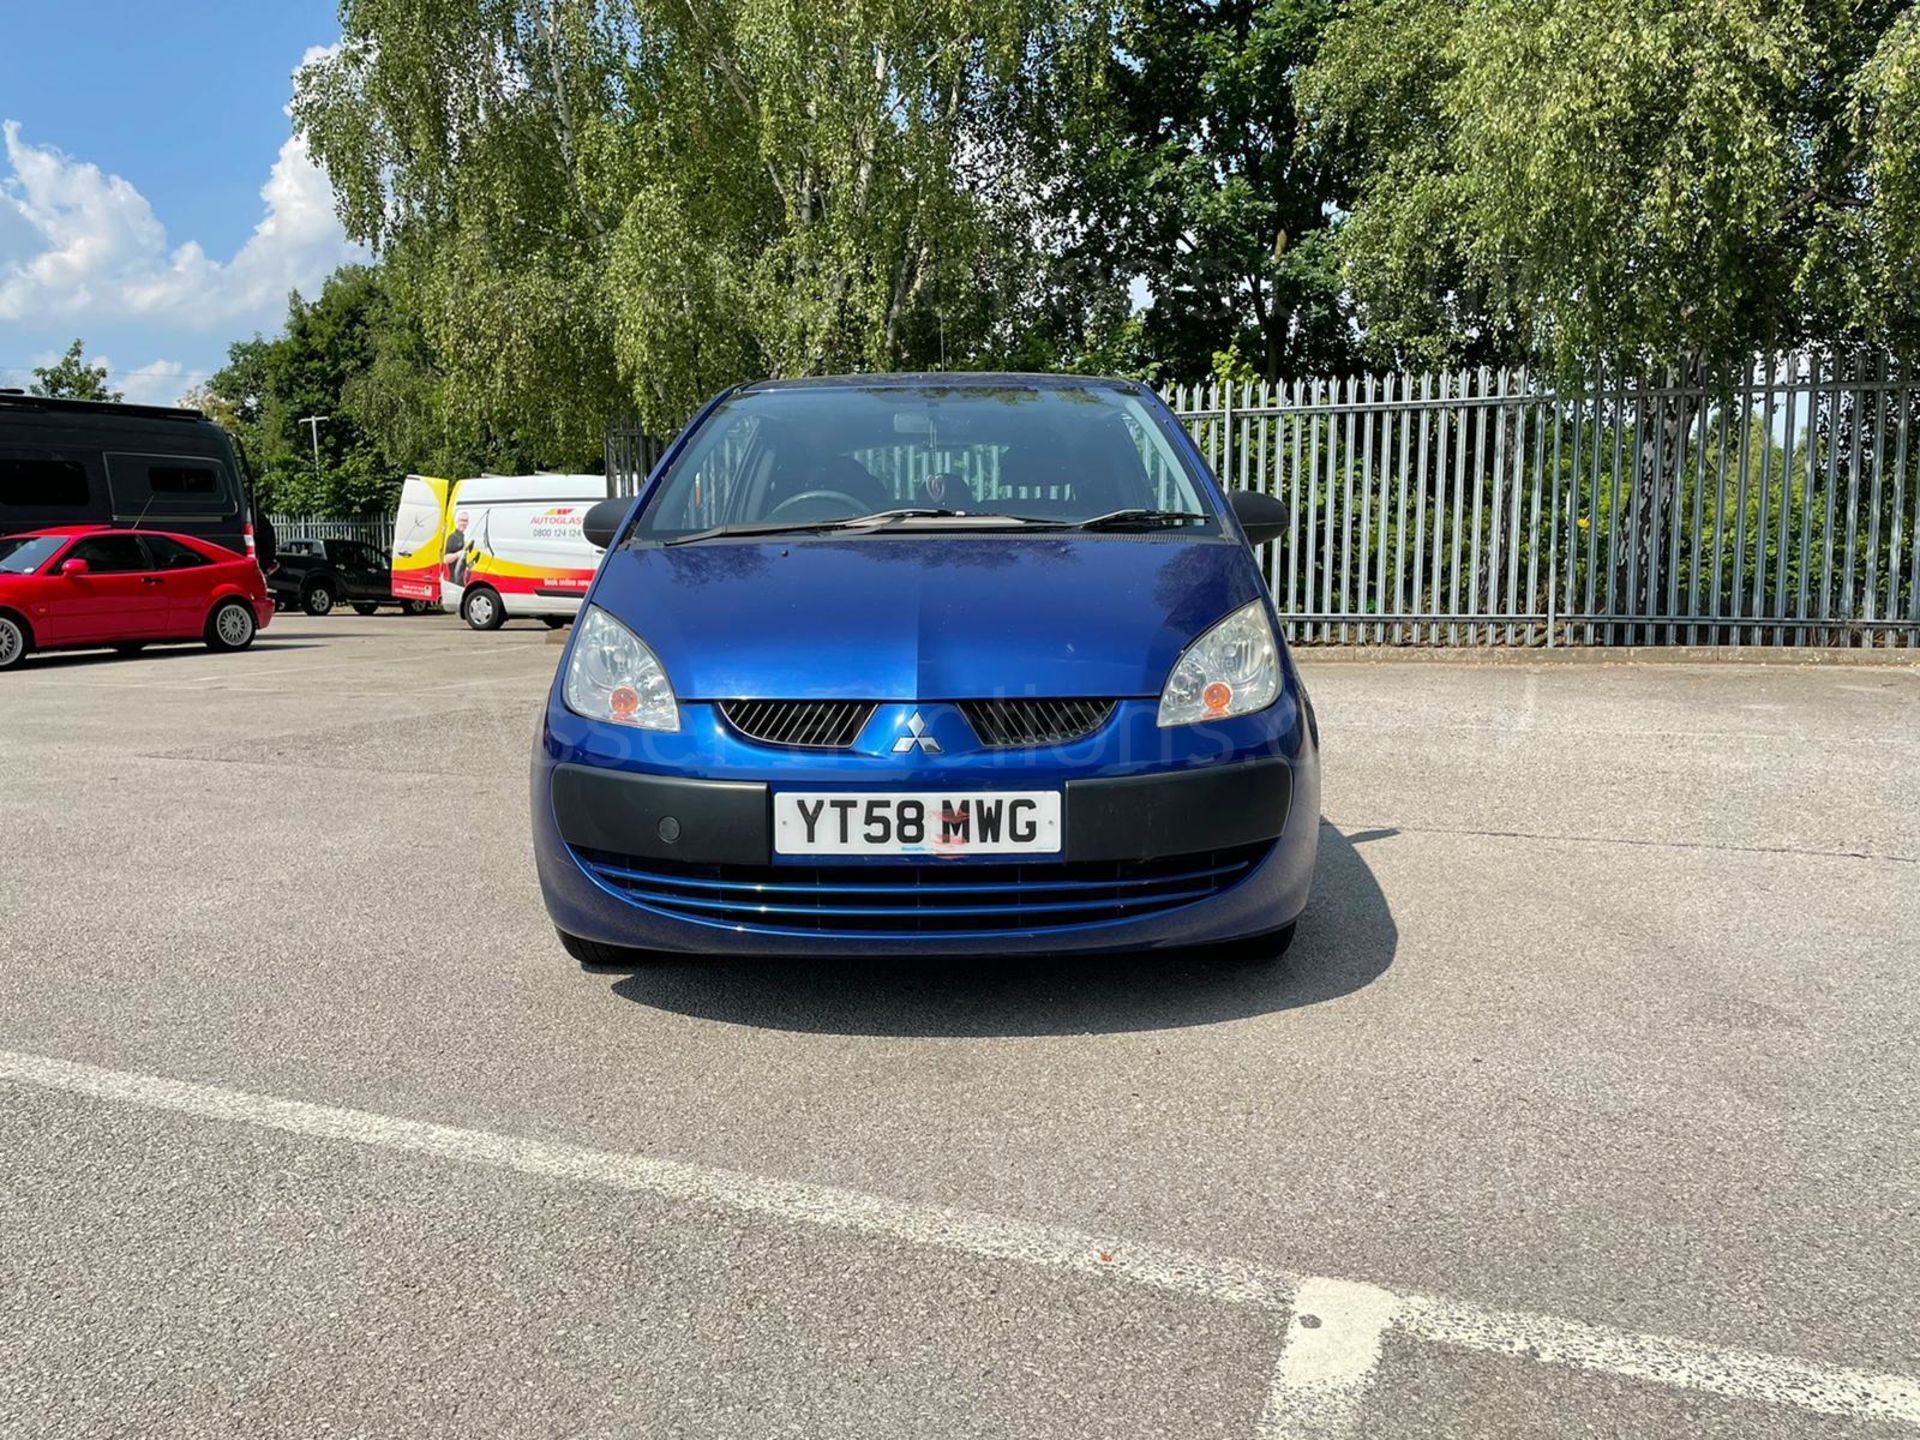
234, 625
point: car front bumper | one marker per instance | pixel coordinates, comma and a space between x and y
1171, 838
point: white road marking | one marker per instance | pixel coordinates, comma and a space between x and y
1327, 1359
1322, 1370
986, 1236
1529, 704
1682, 1364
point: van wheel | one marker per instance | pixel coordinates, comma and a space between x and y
15, 641
416, 607
592, 955
554, 622
360, 607
480, 607
319, 599
231, 626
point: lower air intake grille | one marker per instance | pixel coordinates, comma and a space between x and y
920, 900
803, 724
1014, 724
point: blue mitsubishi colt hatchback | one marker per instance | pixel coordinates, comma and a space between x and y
930, 663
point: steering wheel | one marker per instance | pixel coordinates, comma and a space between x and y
853, 503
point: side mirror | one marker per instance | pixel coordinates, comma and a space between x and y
604, 520
1262, 516
72, 568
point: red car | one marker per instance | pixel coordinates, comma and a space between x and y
86, 585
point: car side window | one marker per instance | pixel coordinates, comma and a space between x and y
172, 555
111, 554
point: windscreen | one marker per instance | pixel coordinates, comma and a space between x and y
24, 554
807, 455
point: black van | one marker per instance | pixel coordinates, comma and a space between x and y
87, 462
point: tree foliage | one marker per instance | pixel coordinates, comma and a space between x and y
355, 355
1180, 167
1675, 183
611, 203
72, 378
586, 208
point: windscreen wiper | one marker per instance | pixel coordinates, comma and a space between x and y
853, 522
1115, 519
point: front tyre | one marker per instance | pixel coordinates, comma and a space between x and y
417, 607
592, 955
361, 607
319, 599
480, 607
15, 641
231, 626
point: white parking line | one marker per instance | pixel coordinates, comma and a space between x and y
1319, 1381
1327, 1359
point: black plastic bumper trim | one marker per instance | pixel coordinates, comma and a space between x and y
714, 822
1141, 817
725, 822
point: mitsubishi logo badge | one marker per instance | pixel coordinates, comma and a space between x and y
916, 736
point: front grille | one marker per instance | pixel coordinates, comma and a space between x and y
933, 899
803, 724
1011, 724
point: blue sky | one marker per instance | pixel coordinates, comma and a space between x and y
153, 198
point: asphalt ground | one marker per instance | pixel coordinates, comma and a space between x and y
1585, 1104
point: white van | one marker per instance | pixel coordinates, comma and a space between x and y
511, 545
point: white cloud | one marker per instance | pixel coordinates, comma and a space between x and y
77, 244
315, 54
160, 382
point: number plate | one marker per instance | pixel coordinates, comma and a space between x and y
972, 822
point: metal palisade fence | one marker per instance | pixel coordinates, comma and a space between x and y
631, 456
1778, 507
374, 530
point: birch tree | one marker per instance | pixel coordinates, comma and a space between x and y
610, 204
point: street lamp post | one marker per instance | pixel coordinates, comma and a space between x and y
313, 424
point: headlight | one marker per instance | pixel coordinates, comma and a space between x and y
612, 675
1233, 669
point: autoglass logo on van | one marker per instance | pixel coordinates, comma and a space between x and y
557, 522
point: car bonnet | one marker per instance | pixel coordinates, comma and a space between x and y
914, 616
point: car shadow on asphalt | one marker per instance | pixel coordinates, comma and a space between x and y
157, 650
1346, 941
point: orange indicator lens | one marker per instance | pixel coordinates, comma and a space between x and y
1217, 696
